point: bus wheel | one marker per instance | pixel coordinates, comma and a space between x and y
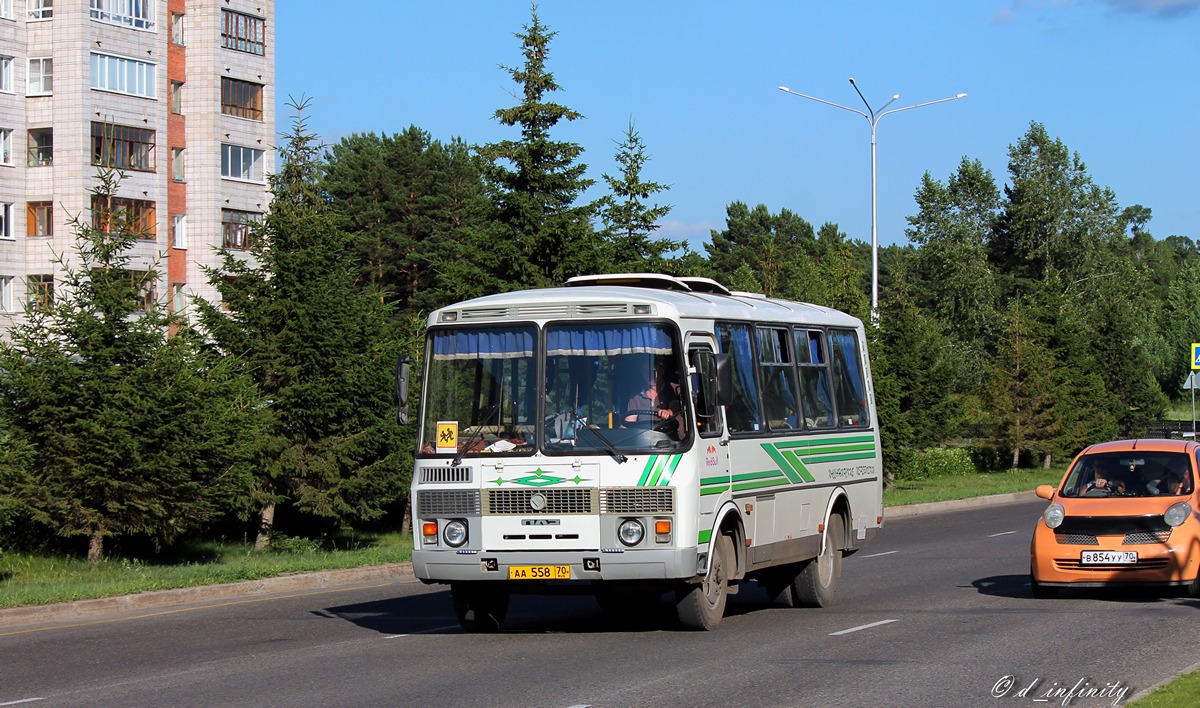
815, 584
702, 606
479, 607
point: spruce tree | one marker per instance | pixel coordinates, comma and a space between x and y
320, 349
126, 430
542, 235
629, 222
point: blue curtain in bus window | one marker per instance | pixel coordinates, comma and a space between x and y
483, 344
743, 414
847, 372
608, 340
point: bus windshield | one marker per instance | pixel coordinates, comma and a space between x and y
605, 387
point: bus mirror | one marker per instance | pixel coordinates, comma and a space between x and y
724, 366
400, 390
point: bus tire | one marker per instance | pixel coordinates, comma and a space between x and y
814, 586
479, 607
702, 606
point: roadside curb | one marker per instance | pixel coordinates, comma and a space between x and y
154, 599
900, 512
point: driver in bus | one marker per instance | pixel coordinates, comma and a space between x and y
658, 402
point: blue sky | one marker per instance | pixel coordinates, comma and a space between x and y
1115, 80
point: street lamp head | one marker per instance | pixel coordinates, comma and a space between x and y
895, 97
852, 80
784, 88
961, 95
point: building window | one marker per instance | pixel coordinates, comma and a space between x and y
6, 79
122, 147
5, 146
241, 98
6, 220
41, 147
245, 33
238, 162
6, 290
41, 77
136, 215
39, 292
39, 219
177, 97
179, 230
145, 287
113, 73
6, 10
177, 169
138, 14
39, 9
178, 297
177, 28
236, 227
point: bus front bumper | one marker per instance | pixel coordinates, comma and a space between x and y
442, 566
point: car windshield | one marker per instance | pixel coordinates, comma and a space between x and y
1133, 473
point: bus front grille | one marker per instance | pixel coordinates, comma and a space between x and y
447, 502
442, 475
637, 500
540, 501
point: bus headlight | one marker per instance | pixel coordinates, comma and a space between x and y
1177, 514
631, 532
454, 533
1054, 516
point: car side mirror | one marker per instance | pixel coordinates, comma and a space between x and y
1045, 491
400, 389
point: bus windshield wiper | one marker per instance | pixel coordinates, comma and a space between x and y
612, 450
478, 433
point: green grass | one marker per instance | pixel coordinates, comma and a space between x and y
39, 580
920, 491
1183, 691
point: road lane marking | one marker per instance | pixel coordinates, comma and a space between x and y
1002, 533
23, 700
876, 555
862, 627
233, 603
423, 631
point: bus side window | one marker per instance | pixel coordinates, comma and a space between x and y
815, 389
743, 414
778, 378
848, 378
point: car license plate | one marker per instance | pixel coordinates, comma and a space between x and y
539, 572
1109, 558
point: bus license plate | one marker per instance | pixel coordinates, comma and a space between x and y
1109, 558
539, 572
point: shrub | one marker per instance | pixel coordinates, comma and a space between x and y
938, 462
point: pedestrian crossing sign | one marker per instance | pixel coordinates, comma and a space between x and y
1195, 356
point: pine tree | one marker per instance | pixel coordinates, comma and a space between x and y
319, 347
125, 430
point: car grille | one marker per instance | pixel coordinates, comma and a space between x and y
1076, 565
1076, 539
557, 501
637, 500
1145, 537
447, 502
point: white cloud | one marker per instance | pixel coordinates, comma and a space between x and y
1162, 8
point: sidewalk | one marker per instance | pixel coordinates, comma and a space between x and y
80, 609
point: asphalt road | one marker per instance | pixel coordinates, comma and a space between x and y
937, 612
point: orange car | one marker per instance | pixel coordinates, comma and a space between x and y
1125, 514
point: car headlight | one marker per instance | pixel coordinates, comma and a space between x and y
631, 532
1177, 514
1054, 515
455, 533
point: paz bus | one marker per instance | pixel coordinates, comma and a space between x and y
635, 435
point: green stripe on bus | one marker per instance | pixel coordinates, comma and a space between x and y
829, 441
713, 490
756, 475
668, 472
704, 536
788, 467
757, 485
705, 481
840, 458
840, 448
651, 464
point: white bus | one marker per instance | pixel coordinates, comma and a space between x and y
546, 463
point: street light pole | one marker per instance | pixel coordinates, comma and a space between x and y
873, 117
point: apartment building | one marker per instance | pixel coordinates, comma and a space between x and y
178, 94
